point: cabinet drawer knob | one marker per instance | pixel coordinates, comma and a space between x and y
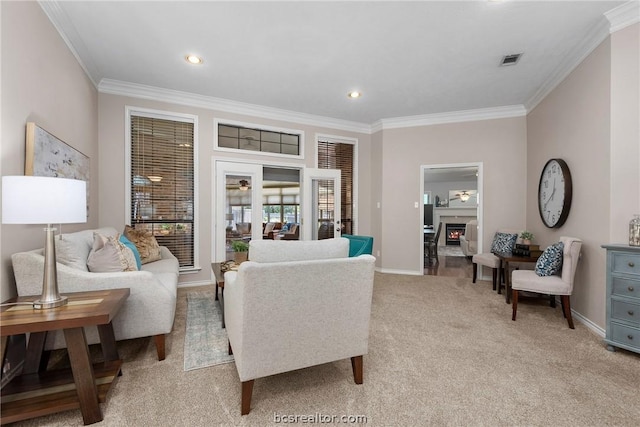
630, 312
630, 288
630, 337
631, 264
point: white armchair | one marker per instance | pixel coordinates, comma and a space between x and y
469, 241
297, 304
562, 284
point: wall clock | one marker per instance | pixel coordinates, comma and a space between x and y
554, 193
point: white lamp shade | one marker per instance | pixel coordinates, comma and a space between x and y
43, 200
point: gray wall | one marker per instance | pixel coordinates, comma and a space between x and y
41, 82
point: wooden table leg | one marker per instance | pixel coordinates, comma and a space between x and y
108, 342
83, 375
507, 283
35, 346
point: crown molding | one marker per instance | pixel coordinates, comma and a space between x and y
595, 37
116, 87
71, 38
624, 15
451, 117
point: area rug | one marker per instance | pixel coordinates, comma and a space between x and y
205, 341
450, 251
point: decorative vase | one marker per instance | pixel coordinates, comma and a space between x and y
526, 242
240, 257
634, 231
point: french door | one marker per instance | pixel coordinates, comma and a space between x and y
321, 204
238, 206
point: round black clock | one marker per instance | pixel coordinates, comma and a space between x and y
554, 193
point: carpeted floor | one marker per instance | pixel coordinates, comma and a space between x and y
442, 351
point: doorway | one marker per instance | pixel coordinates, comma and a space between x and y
452, 195
256, 201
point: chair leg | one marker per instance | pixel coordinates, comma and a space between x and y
247, 391
230, 349
514, 304
356, 365
475, 272
495, 279
160, 348
566, 308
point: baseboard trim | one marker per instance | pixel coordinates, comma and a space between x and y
589, 324
406, 272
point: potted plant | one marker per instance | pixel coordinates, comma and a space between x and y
241, 250
526, 237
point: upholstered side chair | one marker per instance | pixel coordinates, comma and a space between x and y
557, 284
488, 259
469, 241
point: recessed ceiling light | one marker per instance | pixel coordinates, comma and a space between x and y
193, 59
354, 94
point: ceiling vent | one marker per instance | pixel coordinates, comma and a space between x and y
510, 59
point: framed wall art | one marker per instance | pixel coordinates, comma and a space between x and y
47, 155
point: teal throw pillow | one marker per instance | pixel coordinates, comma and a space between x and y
550, 262
133, 248
503, 243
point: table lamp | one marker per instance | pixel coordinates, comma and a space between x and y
45, 200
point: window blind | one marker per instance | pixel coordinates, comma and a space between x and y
338, 155
162, 183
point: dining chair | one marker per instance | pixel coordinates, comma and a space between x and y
431, 245
554, 275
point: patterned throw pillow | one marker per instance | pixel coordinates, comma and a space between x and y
133, 248
503, 242
550, 262
108, 254
146, 243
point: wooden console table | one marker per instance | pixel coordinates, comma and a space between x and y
84, 386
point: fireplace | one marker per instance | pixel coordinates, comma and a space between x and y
453, 233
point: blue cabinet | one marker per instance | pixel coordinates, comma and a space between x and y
623, 297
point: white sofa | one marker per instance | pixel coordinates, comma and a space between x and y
296, 304
150, 308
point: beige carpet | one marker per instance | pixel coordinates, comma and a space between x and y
443, 351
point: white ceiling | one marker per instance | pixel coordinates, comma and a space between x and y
408, 58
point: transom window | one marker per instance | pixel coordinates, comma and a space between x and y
237, 137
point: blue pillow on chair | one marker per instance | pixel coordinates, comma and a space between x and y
550, 262
503, 242
359, 245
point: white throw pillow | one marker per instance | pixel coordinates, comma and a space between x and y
109, 255
71, 253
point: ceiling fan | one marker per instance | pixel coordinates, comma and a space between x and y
244, 185
463, 196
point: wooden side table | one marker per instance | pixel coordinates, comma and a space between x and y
83, 386
505, 259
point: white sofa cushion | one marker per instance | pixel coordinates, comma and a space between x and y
72, 249
297, 250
